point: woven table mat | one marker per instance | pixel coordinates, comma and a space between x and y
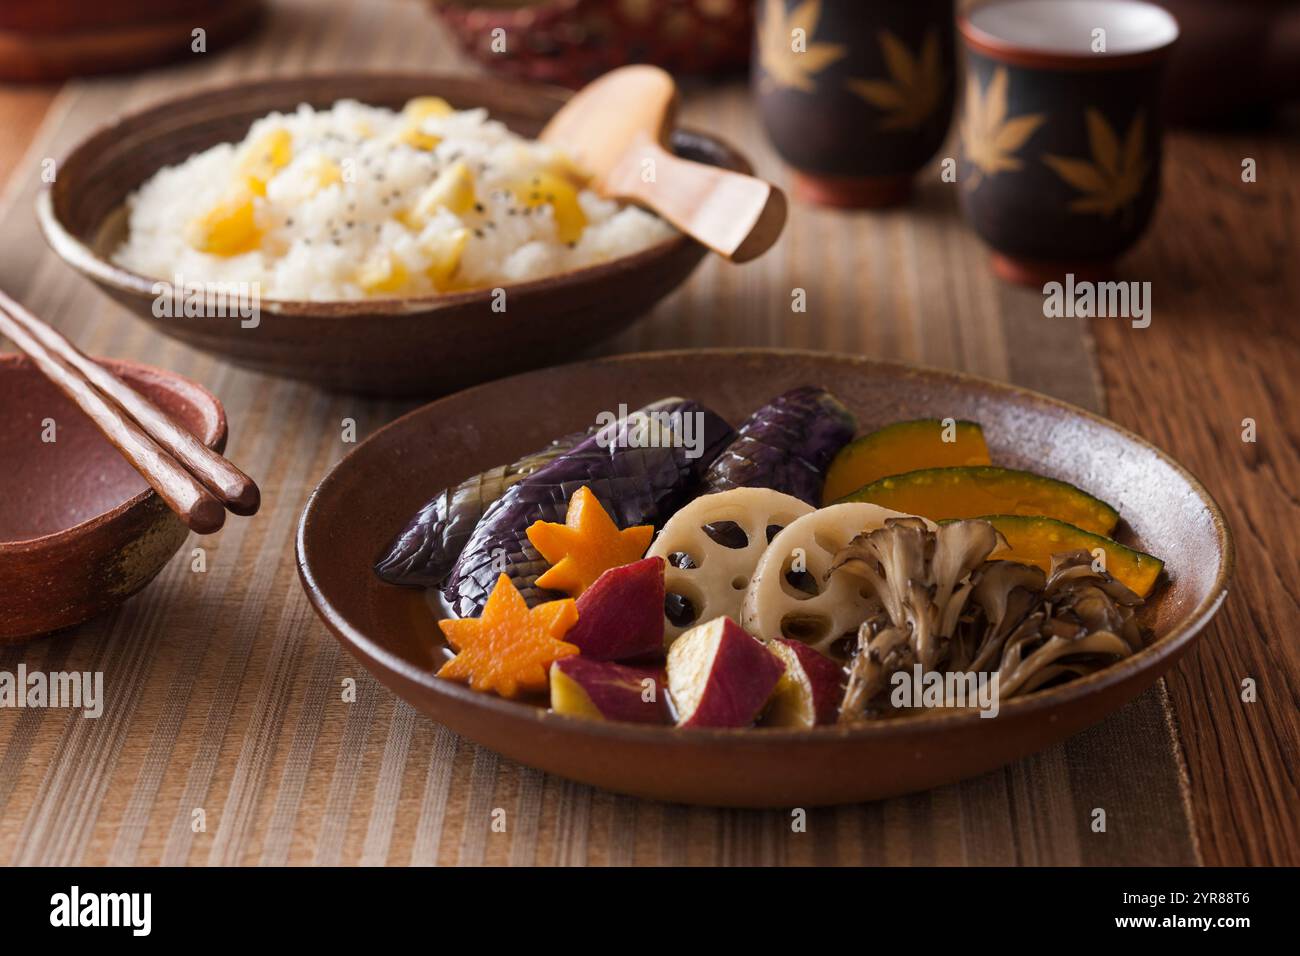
224, 690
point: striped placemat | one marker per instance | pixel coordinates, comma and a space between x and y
226, 737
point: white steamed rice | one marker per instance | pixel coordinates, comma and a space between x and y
315, 240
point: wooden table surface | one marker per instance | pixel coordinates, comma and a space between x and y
1219, 786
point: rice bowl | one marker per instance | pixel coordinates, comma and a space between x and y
358, 202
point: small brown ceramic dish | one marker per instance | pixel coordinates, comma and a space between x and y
403, 346
80, 531
366, 499
1061, 139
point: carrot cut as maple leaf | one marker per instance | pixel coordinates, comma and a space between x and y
586, 546
509, 649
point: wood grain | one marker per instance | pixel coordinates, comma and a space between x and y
22, 110
226, 693
1223, 346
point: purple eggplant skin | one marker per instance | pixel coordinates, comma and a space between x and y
423, 552
786, 445
635, 484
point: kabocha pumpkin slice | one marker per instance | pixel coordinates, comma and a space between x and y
971, 492
510, 648
903, 447
1033, 539
586, 546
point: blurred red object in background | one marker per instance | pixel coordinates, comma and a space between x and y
572, 41
47, 40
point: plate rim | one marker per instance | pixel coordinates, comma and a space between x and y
916, 725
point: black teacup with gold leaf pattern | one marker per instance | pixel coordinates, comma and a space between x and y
855, 96
1061, 131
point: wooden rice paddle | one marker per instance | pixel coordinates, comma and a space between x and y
195, 482
616, 128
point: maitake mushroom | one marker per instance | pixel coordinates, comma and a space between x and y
944, 606
922, 580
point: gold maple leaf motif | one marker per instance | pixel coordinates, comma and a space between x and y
788, 55
915, 87
991, 138
1114, 177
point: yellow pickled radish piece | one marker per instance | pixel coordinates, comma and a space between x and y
383, 272
452, 190
265, 156
445, 252
548, 189
426, 107
228, 229
416, 138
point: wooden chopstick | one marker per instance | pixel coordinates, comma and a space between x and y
163, 468
234, 489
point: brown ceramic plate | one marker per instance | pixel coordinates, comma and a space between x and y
371, 493
80, 530
426, 345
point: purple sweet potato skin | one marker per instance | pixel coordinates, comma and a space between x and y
627, 703
822, 672
786, 445
621, 616
741, 679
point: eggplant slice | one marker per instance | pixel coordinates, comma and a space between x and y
786, 445
640, 468
423, 552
